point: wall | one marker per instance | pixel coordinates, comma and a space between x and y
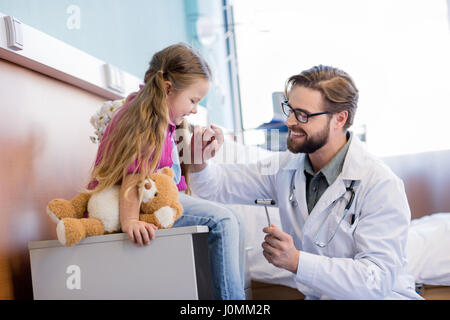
426, 177
45, 154
125, 33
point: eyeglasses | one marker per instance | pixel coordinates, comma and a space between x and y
301, 115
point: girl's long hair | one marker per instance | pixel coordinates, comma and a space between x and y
140, 131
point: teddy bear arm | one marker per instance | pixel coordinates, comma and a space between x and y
177, 206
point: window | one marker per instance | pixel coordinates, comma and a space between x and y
396, 51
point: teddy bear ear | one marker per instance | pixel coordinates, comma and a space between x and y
168, 171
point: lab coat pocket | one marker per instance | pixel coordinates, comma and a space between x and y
342, 232
349, 222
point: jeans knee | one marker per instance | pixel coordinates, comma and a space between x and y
238, 221
227, 219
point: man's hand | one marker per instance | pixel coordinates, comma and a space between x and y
279, 249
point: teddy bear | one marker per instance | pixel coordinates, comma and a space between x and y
159, 206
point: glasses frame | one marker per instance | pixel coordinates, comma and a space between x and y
285, 103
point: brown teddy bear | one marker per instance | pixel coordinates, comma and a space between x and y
159, 206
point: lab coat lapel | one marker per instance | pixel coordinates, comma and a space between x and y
351, 170
300, 192
333, 193
296, 166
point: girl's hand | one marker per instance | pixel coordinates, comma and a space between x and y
214, 141
139, 232
204, 145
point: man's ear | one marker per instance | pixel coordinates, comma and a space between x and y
341, 119
168, 87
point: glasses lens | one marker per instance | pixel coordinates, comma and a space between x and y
301, 116
286, 109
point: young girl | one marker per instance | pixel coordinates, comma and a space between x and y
140, 139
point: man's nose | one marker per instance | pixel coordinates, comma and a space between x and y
292, 120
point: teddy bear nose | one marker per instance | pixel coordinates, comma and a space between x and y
156, 193
148, 186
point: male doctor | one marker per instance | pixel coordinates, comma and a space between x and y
344, 214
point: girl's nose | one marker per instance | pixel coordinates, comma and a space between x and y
194, 111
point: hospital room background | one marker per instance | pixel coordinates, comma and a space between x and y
70, 56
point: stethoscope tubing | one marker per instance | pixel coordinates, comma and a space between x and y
294, 204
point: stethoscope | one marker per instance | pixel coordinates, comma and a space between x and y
294, 203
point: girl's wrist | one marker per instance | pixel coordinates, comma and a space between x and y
127, 223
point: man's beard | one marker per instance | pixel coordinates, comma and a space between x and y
311, 143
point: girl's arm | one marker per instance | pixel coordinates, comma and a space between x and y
129, 208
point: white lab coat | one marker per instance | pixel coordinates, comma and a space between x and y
366, 260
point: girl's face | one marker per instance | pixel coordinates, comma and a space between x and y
183, 103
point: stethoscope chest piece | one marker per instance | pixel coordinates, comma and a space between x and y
294, 203
320, 244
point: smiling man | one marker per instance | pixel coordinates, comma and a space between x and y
344, 214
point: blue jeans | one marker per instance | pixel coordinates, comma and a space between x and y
225, 244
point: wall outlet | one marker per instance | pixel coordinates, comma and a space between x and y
14, 33
114, 78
